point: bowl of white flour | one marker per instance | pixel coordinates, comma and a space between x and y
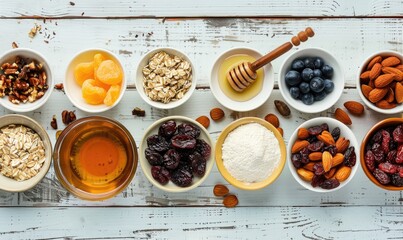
250, 153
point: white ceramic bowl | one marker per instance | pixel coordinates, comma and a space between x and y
344, 132
146, 167
73, 90
241, 106
338, 80
383, 53
9, 56
139, 78
11, 185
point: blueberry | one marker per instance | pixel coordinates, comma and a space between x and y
297, 65
317, 84
327, 71
307, 98
317, 73
294, 91
319, 96
307, 74
329, 86
308, 62
318, 62
304, 87
292, 78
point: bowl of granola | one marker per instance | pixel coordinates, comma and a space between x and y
165, 78
26, 80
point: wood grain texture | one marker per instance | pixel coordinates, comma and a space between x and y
206, 8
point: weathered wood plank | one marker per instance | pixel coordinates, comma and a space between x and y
202, 223
207, 8
284, 192
350, 40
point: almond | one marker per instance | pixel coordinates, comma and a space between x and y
331, 173
377, 94
342, 144
366, 90
364, 77
342, 116
203, 120
354, 107
230, 201
327, 160
303, 133
399, 67
217, 114
375, 71
220, 190
399, 92
384, 80
390, 96
337, 159
273, 119
392, 70
343, 173
305, 174
309, 166
281, 131
371, 83
315, 156
376, 59
326, 138
391, 61
299, 145
385, 104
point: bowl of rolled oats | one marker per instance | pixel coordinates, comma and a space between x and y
25, 153
165, 78
26, 80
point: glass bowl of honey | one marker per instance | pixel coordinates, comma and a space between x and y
95, 158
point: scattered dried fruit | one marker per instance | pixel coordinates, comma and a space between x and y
342, 116
59, 86
138, 112
230, 201
220, 190
217, 114
53, 122
272, 119
282, 108
354, 107
14, 45
281, 131
203, 120
68, 117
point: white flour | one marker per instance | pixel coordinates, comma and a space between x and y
251, 153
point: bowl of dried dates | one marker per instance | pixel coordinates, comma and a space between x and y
380, 81
26, 80
382, 154
176, 154
323, 154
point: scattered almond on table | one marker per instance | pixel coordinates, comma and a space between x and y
220, 190
272, 119
217, 114
342, 116
204, 121
354, 107
230, 201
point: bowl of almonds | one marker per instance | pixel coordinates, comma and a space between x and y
380, 82
323, 154
25, 153
165, 78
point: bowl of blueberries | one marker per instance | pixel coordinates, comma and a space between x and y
311, 80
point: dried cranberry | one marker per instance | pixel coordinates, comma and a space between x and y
385, 141
324, 127
318, 169
312, 138
160, 174
370, 160
317, 180
157, 143
381, 176
198, 164
392, 145
378, 153
350, 157
399, 154
182, 177
398, 134
329, 184
153, 157
316, 146
377, 137
304, 155
315, 130
376, 147
171, 159
336, 133
391, 156
188, 129
388, 167
203, 148
167, 129
400, 170
296, 160
332, 149
397, 180
183, 142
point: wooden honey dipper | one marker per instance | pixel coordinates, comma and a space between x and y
243, 75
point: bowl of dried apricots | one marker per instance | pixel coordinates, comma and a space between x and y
95, 80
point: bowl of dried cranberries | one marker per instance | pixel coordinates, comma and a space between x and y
175, 154
382, 154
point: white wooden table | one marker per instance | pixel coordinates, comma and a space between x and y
351, 30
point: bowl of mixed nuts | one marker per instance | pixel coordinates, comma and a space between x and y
25, 153
323, 154
26, 80
165, 78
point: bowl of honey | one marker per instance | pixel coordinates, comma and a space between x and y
254, 95
95, 158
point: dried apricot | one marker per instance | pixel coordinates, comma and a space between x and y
109, 73
92, 93
112, 95
84, 71
98, 59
